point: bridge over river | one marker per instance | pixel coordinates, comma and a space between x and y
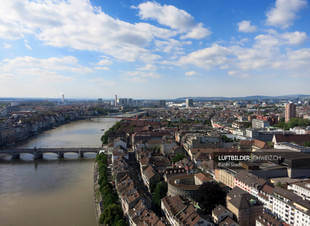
38, 152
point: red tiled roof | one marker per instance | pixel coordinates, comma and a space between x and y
259, 143
149, 172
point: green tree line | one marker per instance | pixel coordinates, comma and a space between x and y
178, 157
293, 123
159, 192
110, 133
112, 211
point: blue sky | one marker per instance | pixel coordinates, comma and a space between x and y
154, 49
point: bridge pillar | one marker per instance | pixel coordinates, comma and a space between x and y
81, 154
15, 156
61, 155
37, 155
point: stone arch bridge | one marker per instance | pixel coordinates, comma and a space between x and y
38, 152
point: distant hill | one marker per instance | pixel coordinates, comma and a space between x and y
247, 98
180, 99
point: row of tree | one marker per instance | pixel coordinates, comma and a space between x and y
177, 157
112, 213
158, 192
110, 133
293, 123
102, 110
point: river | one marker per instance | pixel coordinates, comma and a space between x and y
52, 192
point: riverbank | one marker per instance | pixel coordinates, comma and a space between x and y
18, 136
66, 183
97, 195
15, 136
106, 197
30, 136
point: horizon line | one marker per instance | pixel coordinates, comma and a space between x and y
181, 97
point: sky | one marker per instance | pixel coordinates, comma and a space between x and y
154, 49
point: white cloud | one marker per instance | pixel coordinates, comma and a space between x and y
47, 68
143, 73
198, 32
300, 55
78, 25
238, 74
295, 63
7, 45
27, 45
190, 73
147, 67
298, 59
174, 18
284, 12
245, 26
274, 38
267, 40
171, 47
141, 76
270, 51
294, 38
166, 15
104, 61
99, 81
102, 68
207, 58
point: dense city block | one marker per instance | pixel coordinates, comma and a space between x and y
166, 171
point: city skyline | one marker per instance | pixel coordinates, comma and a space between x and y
154, 49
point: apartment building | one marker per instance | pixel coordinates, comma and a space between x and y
225, 176
249, 182
244, 206
290, 207
301, 189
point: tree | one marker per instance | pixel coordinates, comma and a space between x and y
112, 214
178, 157
307, 144
293, 123
279, 184
110, 132
159, 192
225, 139
101, 218
270, 144
211, 195
120, 222
247, 124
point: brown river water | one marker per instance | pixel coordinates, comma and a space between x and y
51, 191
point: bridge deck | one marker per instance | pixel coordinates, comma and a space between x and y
48, 150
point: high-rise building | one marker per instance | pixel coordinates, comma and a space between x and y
115, 100
162, 103
63, 98
290, 111
189, 103
259, 124
123, 101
